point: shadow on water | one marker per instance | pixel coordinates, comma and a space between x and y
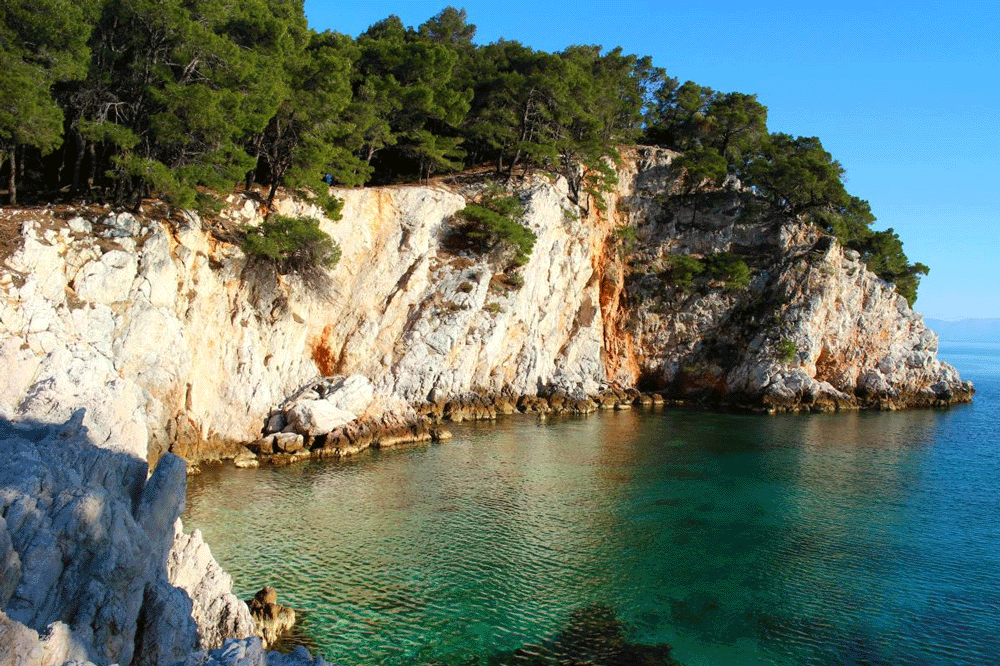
593, 636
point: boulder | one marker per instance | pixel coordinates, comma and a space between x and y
316, 417
121, 225
352, 394
246, 459
288, 442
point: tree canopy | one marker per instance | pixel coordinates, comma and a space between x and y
116, 100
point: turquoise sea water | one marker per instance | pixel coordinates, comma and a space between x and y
813, 539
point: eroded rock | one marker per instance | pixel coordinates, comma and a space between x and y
92, 555
271, 619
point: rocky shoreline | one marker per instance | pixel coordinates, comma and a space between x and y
296, 443
171, 340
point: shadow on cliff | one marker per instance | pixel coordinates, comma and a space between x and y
69, 443
98, 560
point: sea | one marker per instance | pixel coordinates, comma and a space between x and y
639, 537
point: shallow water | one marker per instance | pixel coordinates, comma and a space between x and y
821, 539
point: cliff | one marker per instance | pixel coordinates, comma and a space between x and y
127, 336
162, 332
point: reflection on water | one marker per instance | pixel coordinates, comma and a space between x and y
821, 539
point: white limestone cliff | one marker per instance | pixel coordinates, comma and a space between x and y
164, 333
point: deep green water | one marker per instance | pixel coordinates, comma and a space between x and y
820, 539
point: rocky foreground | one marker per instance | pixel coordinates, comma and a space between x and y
93, 558
128, 341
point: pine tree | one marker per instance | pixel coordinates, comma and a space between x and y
42, 42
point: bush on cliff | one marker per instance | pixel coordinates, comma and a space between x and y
494, 222
681, 270
787, 350
729, 268
291, 244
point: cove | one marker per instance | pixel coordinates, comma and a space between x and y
858, 538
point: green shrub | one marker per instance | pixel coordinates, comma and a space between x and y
625, 238
330, 204
681, 269
292, 244
599, 181
494, 221
728, 267
787, 351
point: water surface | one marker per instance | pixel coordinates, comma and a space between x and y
820, 539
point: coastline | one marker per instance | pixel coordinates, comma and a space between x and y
432, 419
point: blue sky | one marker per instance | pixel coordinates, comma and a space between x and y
905, 95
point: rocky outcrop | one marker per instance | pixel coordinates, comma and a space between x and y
812, 329
159, 327
95, 565
271, 619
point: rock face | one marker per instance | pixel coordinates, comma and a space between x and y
813, 328
161, 329
94, 564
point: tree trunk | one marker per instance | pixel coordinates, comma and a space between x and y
513, 163
248, 180
272, 192
78, 163
12, 183
62, 165
93, 165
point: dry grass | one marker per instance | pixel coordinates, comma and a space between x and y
10, 236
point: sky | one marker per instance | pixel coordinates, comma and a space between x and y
905, 95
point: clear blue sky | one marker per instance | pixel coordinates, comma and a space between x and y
906, 95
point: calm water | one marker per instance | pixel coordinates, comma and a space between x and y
820, 539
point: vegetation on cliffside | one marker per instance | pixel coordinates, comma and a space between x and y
112, 100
